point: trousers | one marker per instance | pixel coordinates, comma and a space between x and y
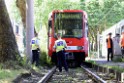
110, 51
35, 57
122, 50
61, 61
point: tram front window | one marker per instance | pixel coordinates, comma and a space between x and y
69, 24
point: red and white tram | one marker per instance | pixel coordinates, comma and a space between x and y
73, 26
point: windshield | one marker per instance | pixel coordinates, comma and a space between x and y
68, 24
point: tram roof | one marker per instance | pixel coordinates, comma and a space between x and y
114, 27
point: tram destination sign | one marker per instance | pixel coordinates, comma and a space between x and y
68, 16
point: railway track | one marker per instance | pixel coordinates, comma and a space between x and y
76, 75
84, 74
103, 75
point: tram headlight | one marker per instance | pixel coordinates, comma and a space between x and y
80, 47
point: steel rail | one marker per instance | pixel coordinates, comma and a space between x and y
47, 76
97, 78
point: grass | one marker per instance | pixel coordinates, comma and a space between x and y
119, 60
7, 75
91, 61
116, 68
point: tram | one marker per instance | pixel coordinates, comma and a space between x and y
73, 26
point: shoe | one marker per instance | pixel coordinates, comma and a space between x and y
60, 73
67, 73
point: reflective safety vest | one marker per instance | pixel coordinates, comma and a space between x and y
34, 44
122, 41
109, 43
60, 45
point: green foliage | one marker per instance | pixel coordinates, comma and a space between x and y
23, 61
93, 54
45, 59
104, 10
91, 61
117, 68
119, 60
7, 75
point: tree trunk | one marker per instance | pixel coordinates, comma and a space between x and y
8, 46
21, 4
29, 26
27, 14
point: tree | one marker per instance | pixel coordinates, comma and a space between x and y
8, 46
102, 14
21, 4
28, 21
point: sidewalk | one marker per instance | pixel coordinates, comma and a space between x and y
104, 62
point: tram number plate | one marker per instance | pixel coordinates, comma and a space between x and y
68, 48
71, 48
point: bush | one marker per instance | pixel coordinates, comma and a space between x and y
119, 59
45, 59
93, 54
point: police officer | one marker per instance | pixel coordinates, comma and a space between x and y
109, 46
60, 46
35, 50
122, 43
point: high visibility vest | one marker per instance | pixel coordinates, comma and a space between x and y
109, 43
34, 43
122, 41
59, 45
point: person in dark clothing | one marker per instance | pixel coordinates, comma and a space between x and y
109, 43
60, 46
35, 50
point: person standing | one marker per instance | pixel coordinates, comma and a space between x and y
109, 43
122, 44
60, 46
35, 50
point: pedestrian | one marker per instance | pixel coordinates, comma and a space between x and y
35, 50
109, 43
60, 46
122, 44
